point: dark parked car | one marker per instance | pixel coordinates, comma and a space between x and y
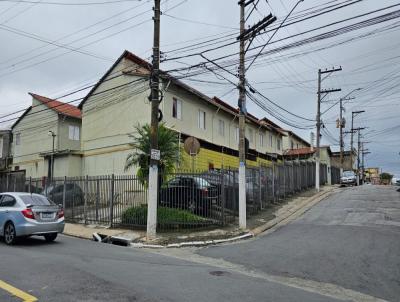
73, 194
190, 193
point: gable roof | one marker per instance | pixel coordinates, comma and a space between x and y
300, 151
59, 107
212, 101
291, 133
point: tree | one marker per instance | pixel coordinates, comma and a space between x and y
386, 176
168, 144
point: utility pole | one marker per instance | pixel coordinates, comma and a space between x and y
154, 153
245, 34
341, 136
242, 121
320, 93
363, 153
358, 152
353, 114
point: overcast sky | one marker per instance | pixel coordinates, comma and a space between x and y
54, 49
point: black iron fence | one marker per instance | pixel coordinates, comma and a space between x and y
186, 199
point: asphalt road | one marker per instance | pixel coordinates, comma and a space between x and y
351, 239
348, 241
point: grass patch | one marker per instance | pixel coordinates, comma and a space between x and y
165, 217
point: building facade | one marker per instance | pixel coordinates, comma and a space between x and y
119, 102
32, 139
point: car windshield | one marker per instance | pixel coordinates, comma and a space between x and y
348, 173
201, 182
36, 200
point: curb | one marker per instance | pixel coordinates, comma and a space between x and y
192, 243
250, 234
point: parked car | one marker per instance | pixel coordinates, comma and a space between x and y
73, 194
190, 193
348, 178
26, 214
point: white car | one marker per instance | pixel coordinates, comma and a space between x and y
348, 178
25, 214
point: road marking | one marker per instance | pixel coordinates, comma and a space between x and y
17, 292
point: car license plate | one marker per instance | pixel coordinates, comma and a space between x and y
47, 216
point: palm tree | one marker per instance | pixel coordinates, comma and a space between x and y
168, 144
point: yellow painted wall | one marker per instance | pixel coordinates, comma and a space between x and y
219, 160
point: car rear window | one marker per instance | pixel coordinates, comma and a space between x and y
36, 200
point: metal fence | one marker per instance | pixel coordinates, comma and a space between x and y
186, 199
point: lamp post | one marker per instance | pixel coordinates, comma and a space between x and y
53, 135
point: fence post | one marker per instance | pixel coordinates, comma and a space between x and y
273, 182
111, 200
30, 184
85, 196
97, 198
64, 192
223, 196
259, 187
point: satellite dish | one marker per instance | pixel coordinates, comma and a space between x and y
192, 146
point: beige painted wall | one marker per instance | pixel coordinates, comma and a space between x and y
109, 117
33, 130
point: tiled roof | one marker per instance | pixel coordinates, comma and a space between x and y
300, 151
60, 107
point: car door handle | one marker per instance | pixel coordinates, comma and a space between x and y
7, 211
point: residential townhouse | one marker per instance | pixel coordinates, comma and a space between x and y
119, 101
293, 141
33, 133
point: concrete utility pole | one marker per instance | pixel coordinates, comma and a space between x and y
363, 153
358, 152
353, 114
320, 93
341, 136
242, 121
154, 153
245, 34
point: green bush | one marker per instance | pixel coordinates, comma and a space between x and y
165, 216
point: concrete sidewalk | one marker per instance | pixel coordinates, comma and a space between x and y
268, 219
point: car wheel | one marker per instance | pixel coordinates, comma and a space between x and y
50, 237
10, 236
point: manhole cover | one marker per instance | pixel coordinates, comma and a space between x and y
219, 273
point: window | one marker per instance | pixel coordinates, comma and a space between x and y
278, 143
297, 146
177, 109
18, 139
237, 134
270, 140
202, 120
1, 147
7, 201
73, 133
261, 140
250, 135
221, 127
291, 145
36, 200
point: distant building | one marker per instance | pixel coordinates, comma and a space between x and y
372, 175
348, 158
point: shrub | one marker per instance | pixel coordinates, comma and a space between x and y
165, 216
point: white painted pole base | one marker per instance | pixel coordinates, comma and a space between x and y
152, 203
317, 175
242, 196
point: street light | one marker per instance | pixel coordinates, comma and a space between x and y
53, 135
